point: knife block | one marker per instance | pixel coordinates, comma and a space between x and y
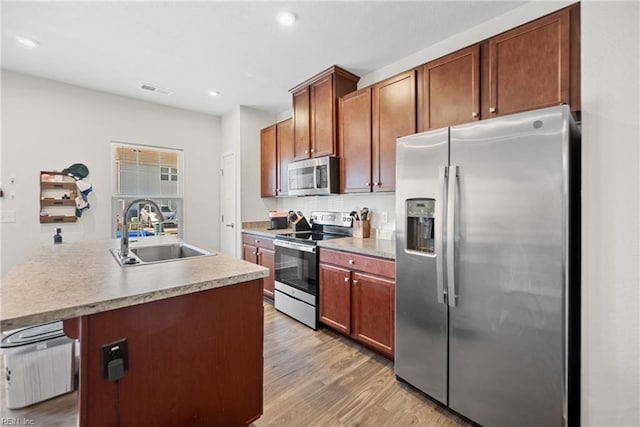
361, 229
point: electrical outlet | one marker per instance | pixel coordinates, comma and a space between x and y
384, 217
112, 351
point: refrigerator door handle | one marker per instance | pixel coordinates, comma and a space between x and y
451, 232
439, 233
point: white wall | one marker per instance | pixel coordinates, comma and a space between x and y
48, 125
611, 214
253, 207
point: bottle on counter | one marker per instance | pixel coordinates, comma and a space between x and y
57, 238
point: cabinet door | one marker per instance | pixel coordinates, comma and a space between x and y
268, 162
284, 151
355, 142
335, 298
266, 258
323, 139
529, 66
301, 113
250, 253
394, 115
373, 311
451, 89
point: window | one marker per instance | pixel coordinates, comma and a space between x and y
144, 172
168, 173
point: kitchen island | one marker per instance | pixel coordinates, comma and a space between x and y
193, 329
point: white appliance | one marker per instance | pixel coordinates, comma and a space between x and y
38, 364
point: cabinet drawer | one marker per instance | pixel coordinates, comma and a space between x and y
377, 266
259, 241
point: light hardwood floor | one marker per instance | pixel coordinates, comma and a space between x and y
310, 379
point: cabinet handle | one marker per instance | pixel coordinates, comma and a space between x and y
351, 262
346, 279
355, 282
474, 114
492, 110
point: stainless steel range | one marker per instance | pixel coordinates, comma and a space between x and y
296, 266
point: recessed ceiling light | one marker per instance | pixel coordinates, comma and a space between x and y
214, 93
286, 18
27, 42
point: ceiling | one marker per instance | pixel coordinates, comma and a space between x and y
236, 48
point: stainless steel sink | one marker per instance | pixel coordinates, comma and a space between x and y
159, 253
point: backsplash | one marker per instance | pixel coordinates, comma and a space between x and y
380, 204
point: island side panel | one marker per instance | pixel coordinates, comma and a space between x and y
194, 360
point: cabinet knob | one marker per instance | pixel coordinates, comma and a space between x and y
275, 189
346, 279
312, 150
351, 262
257, 241
377, 183
474, 114
306, 151
492, 110
355, 282
368, 184
254, 253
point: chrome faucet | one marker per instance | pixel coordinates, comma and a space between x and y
124, 237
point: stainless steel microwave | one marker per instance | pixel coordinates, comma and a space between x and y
314, 177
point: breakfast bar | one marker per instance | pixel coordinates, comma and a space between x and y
193, 329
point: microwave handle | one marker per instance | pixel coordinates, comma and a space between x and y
316, 177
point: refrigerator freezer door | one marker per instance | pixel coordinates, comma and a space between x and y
506, 332
421, 321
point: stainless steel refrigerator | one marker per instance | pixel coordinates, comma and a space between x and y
487, 267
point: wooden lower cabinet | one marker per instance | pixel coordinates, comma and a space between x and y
335, 297
260, 250
358, 303
194, 359
372, 300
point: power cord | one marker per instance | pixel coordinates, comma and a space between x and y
115, 370
117, 403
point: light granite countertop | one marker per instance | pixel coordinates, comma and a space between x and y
371, 246
58, 282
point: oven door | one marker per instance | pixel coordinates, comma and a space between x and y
296, 266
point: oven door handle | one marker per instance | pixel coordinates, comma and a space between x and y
296, 246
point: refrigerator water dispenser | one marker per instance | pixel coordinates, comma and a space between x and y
420, 225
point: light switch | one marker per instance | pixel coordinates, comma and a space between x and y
7, 216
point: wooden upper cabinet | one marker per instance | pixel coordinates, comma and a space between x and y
394, 115
449, 90
315, 110
529, 66
268, 161
285, 154
301, 122
323, 141
354, 124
